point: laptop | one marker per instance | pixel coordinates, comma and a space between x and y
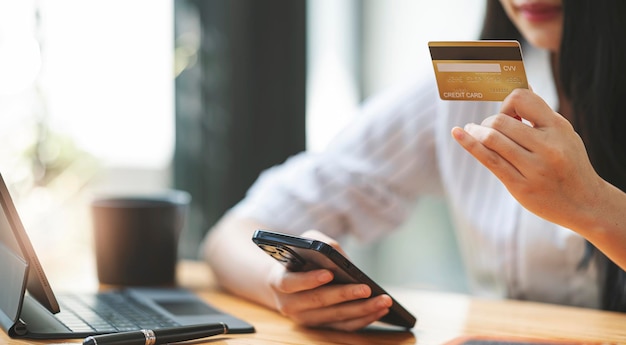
30, 309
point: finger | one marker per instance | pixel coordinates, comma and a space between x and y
292, 282
496, 141
324, 297
358, 323
527, 105
499, 166
349, 316
521, 135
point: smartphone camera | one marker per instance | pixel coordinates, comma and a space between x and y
285, 255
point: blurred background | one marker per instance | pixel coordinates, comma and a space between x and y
202, 95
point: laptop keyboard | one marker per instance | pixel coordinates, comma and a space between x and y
108, 312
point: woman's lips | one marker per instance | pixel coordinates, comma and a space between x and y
538, 12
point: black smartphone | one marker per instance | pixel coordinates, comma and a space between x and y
304, 254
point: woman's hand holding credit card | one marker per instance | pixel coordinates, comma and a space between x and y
541, 164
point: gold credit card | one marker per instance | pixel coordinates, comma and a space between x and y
477, 70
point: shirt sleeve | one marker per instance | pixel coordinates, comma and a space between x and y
365, 182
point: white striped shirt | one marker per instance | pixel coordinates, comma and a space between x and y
400, 148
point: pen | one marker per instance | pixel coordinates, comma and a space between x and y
158, 336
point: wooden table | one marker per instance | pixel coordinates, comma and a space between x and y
441, 318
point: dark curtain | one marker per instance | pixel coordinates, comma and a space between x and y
239, 100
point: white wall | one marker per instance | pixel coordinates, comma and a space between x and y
97, 76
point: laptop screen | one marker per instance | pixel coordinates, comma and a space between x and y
17, 245
13, 270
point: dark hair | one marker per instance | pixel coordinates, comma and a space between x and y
496, 24
592, 69
593, 76
593, 73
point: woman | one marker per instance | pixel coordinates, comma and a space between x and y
589, 73
527, 223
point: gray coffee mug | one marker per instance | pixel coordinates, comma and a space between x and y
136, 237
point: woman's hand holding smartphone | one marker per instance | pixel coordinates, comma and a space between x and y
303, 292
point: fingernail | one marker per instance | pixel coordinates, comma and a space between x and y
457, 133
384, 303
324, 277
